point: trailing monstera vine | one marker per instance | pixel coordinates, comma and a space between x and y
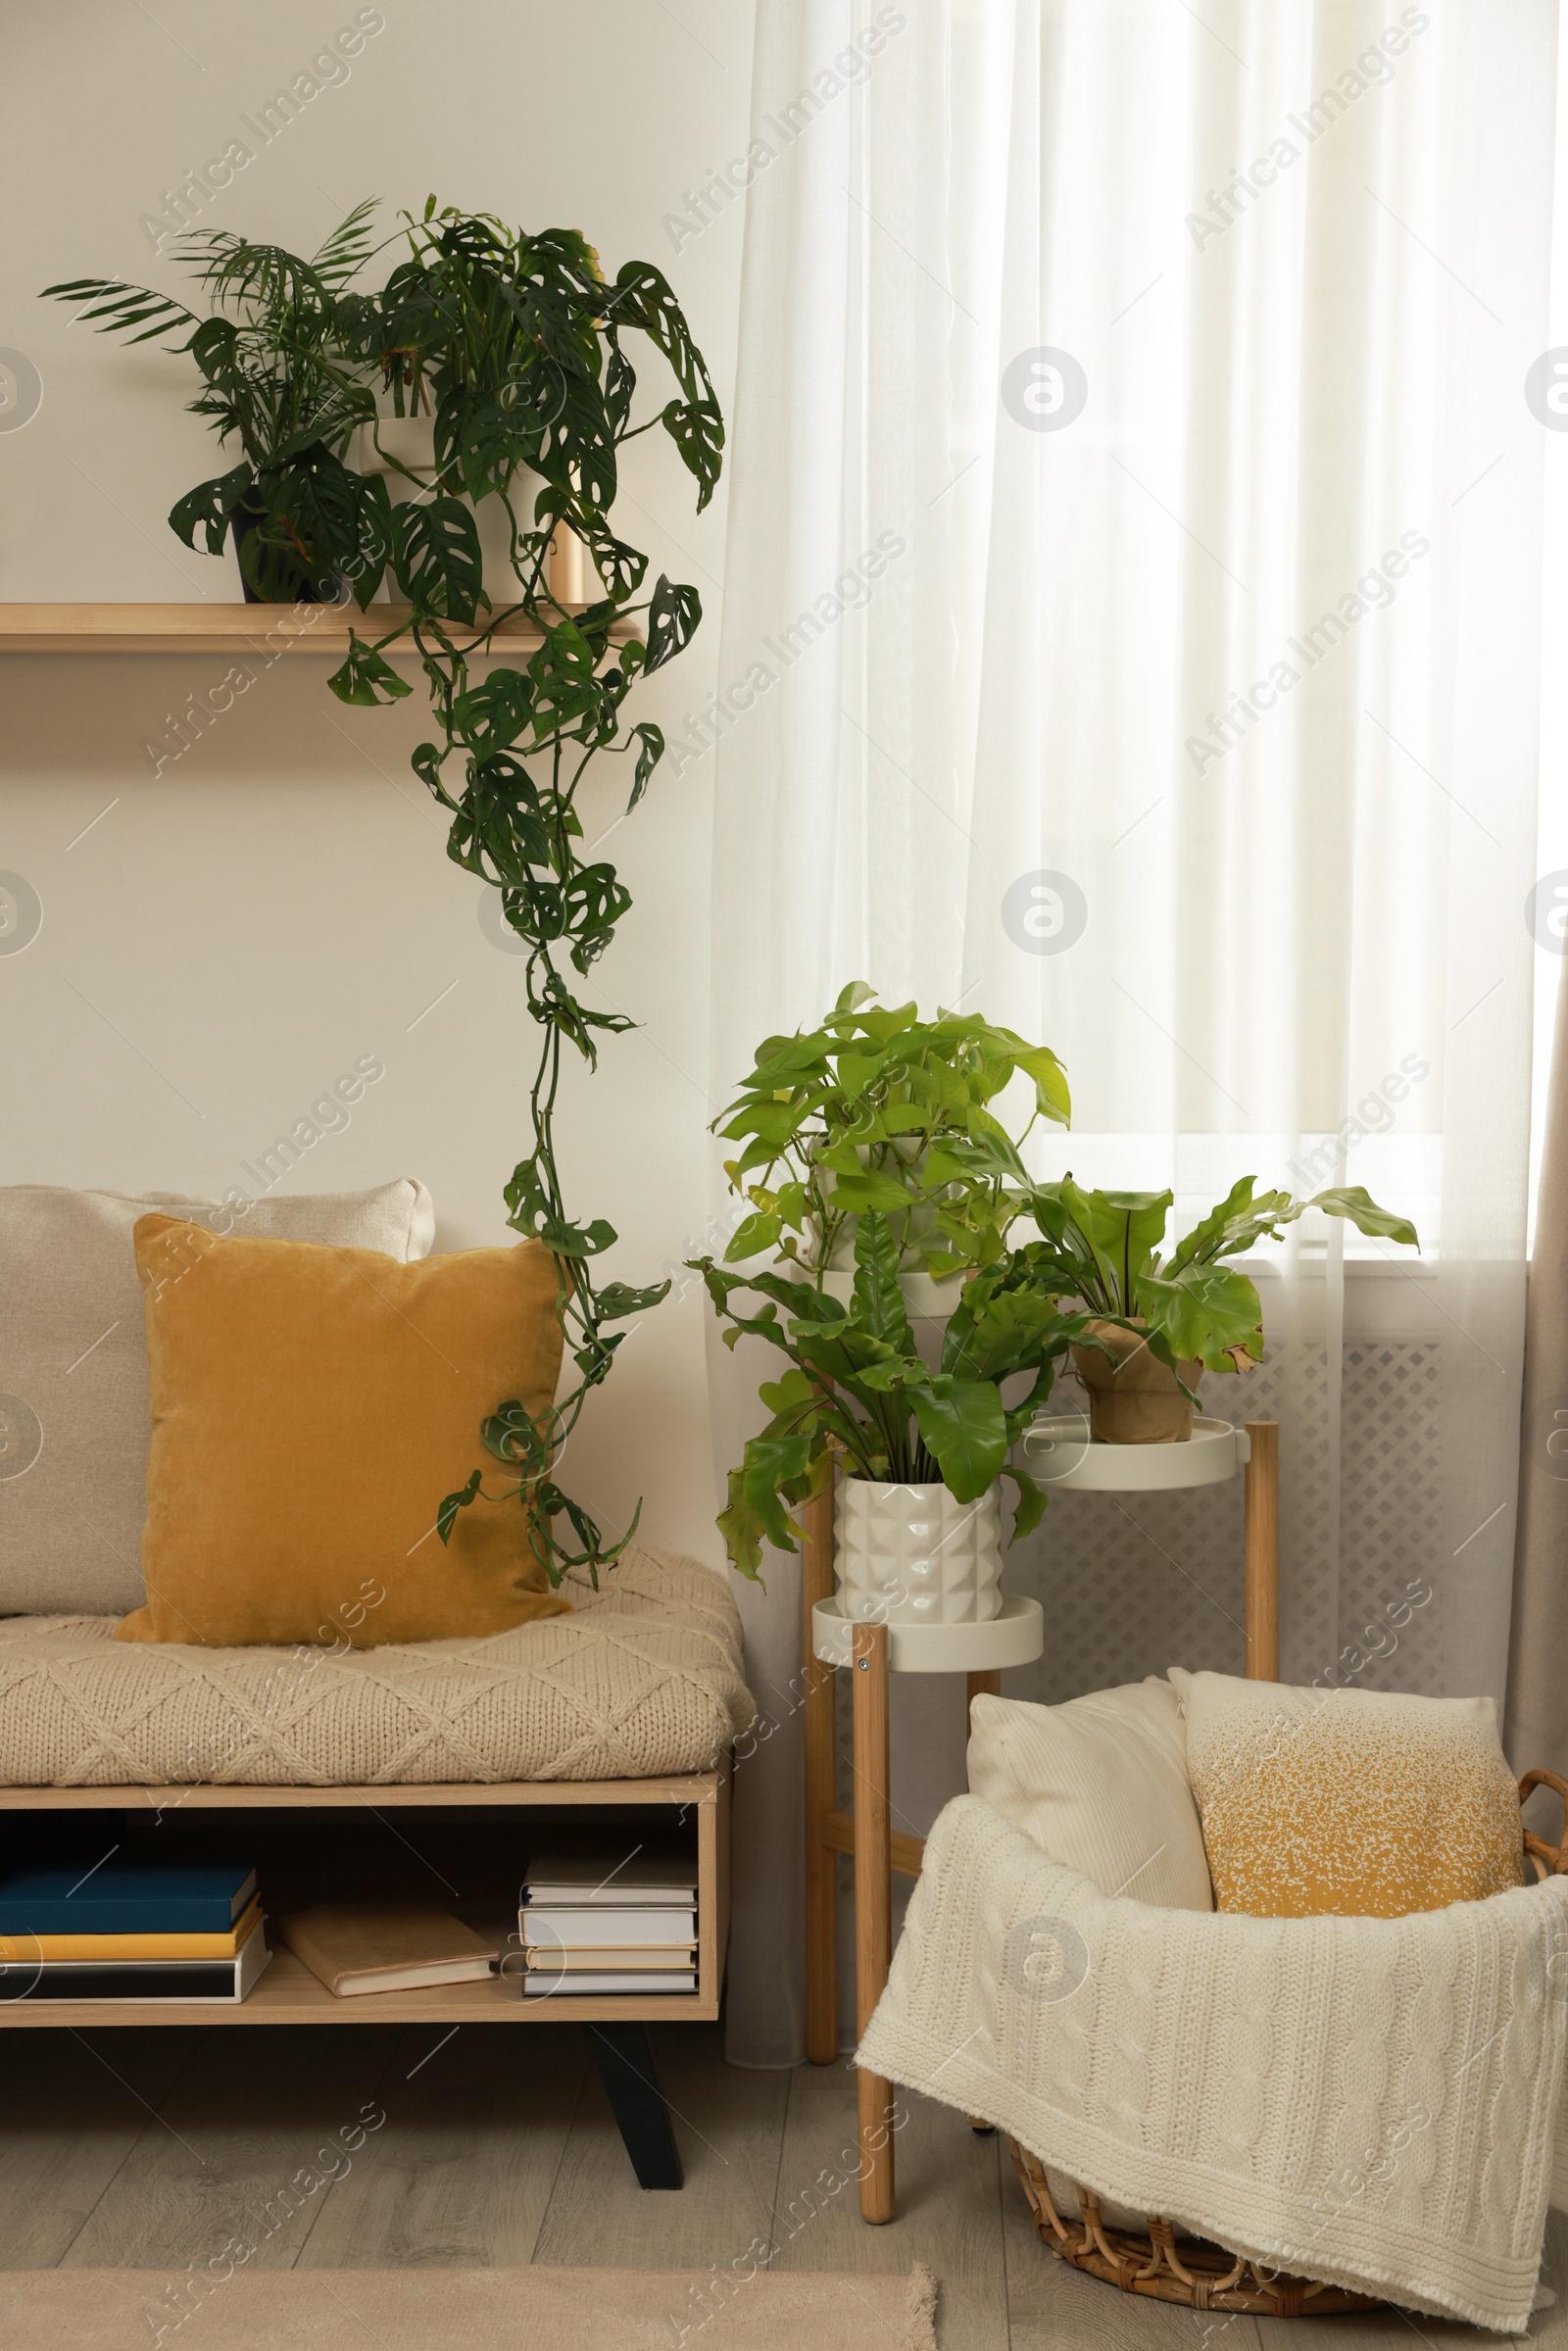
517, 344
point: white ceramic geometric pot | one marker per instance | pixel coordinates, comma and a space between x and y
913, 1555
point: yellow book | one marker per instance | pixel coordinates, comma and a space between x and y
26, 1950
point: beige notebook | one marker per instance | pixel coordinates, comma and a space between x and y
386, 1947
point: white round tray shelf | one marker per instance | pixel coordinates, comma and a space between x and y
1014, 1637
1055, 1452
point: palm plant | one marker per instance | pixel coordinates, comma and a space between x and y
276, 382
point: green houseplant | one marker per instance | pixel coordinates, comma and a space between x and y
526, 352
878, 1178
882, 1166
878, 1111
277, 382
1160, 1321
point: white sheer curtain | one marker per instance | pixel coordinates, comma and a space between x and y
1133, 631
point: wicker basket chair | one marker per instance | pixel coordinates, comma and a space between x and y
1156, 2261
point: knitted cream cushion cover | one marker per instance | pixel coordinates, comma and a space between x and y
1348, 1802
73, 1415
1100, 1785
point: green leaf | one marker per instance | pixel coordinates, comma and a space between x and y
1202, 1313
447, 1515
878, 1300
961, 1422
1234, 1225
866, 1192
1052, 1097
207, 508
435, 559
1355, 1203
618, 1300
116, 307
752, 1235
673, 614
649, 742
366, 678
1031, 1504
491, 716
773, 1469
851, 998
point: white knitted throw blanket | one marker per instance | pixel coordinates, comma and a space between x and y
1370, 2102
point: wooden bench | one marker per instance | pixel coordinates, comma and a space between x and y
304, 1859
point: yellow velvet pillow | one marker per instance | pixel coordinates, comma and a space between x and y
311, 1407
1353, 1802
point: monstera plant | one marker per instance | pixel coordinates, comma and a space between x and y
526, 349
522, 351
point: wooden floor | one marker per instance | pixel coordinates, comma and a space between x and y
163, 2149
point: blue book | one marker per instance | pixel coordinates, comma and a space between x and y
193, 1898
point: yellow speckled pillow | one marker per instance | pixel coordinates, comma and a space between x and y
1347, 1801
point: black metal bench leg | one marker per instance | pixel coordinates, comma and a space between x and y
625, 2063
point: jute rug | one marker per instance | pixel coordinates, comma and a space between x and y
464, 2310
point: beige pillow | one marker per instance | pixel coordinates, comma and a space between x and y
1100, 1785
1348, 1802
73, 1415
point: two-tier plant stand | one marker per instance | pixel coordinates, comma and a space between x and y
1056, 1455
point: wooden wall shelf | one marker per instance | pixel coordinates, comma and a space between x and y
231, 628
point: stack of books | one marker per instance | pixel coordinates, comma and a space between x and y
192, 1931
592, 1923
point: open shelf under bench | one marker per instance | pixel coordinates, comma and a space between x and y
289, 1994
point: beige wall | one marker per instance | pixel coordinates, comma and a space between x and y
238, 929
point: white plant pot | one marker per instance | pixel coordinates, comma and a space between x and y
913, 1555
408, 442
925, 1299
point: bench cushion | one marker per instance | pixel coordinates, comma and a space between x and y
643, 1678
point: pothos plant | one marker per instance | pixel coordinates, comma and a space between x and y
878, 1111
875, 1141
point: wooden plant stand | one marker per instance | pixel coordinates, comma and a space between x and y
1057, 1458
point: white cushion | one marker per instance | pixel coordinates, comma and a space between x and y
1100, 1785
73, 1415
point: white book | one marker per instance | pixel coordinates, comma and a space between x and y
648, 1928
547, 1958
537, 1986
